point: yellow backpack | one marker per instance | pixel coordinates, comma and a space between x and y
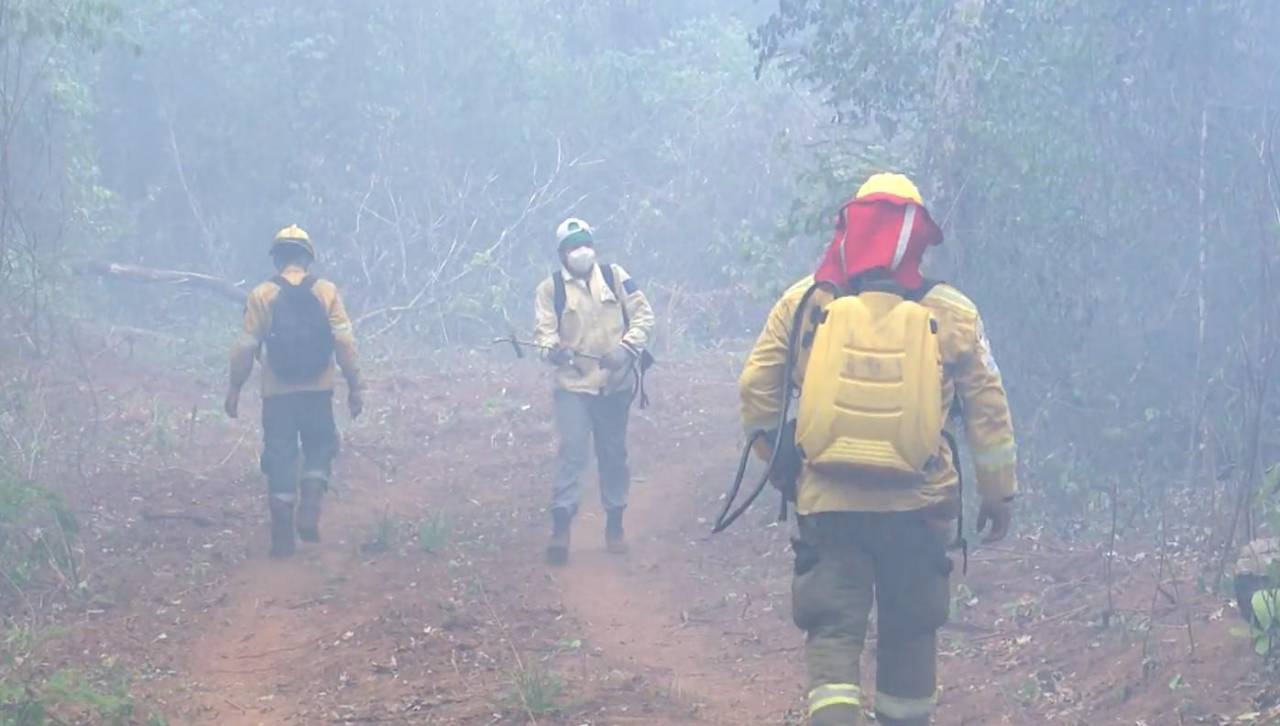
871, 399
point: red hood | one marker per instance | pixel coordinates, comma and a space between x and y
871, 234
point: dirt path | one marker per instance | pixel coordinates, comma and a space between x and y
428, 601
672, 609
254, 651
257, 657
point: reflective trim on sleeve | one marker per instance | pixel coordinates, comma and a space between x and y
898, 707
995, 457
342, 328
834, 694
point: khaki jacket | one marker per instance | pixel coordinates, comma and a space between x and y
592, 324
257, 323
970, 376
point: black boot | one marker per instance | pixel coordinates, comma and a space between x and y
614, 538
890, 721
309, 509
282, 544
558, 548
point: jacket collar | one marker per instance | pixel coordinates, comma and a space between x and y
594, 281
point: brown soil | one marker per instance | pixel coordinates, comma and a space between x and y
387, 622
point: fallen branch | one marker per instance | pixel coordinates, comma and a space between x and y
196, 519
137, 273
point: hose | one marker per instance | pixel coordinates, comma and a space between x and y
728, 514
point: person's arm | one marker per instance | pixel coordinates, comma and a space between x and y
546, 330
344, 342
639, 311
988, 426
253, 330
762, 384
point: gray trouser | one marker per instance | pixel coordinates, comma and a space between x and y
581, 419
288, 419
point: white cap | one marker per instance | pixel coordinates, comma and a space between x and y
569, 227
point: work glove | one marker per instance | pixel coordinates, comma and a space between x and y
617, 359
232, 404
559, 356
997, 513
355, 402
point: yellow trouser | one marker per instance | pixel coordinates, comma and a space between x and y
845, 561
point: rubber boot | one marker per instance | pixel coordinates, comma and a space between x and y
282, 544
558, 548
839, 715
309, 509
615, 540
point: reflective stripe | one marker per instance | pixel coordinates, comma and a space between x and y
834, 694
844, 266
341, 328
904, 236
905, 708
952, 298
994, 457
284, 497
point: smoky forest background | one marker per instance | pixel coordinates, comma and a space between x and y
1104, 171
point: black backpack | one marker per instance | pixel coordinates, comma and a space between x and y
561, 299
300, 342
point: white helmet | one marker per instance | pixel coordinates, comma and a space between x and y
570, 227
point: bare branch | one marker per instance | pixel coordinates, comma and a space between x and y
137, 273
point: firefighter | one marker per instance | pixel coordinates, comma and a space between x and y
297, 325
884, 358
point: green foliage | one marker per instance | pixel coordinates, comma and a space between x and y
431, 151
1072, 139
537, 691
433, 533
383, 535
49, 187
38, 538
27, 699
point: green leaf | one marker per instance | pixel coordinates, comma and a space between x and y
1262, 645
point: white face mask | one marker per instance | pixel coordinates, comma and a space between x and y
580, 260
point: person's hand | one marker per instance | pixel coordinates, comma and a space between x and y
232, 404
355, 402
617, 358
560, 356
998, 514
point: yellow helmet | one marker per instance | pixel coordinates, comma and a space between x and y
893, 184
293, 235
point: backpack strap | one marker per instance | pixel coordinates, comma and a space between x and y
610, 276
645, 359
560, 297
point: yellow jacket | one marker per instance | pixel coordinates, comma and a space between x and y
257, 323
970, 375
592, 324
